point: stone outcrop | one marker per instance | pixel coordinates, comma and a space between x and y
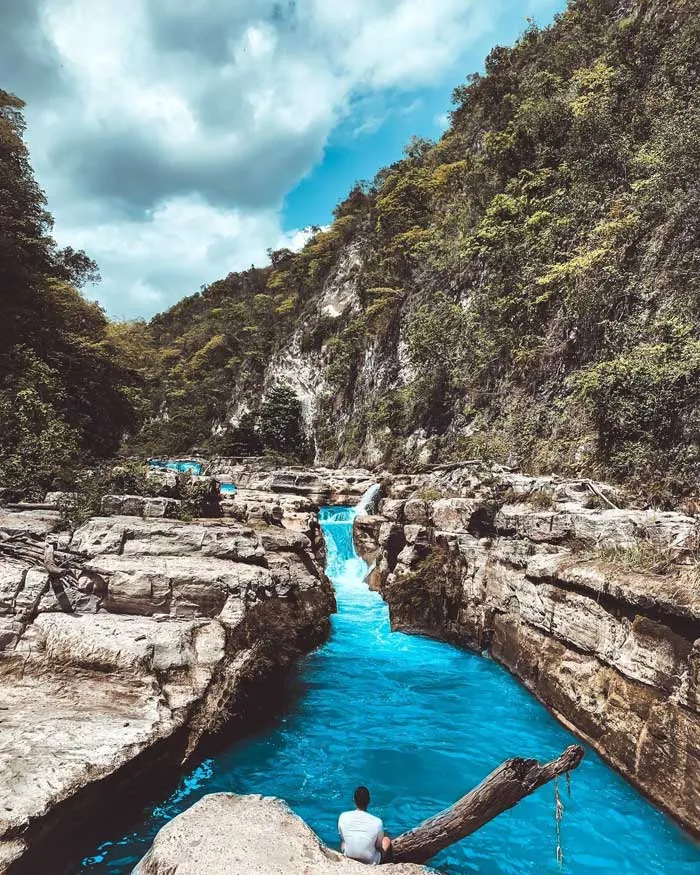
224, 834
544, 575
160, 634
318, 485
139, 505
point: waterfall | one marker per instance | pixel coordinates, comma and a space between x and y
368, 503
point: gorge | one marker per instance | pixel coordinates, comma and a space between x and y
420, 722
421, 495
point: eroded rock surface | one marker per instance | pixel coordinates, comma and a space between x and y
113, 673
319, 485
225, 834
540, 573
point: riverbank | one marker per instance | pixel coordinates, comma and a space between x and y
594, 608
114, 671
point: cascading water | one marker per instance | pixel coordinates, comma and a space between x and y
420, 723
368, 503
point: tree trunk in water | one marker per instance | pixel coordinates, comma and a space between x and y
501, 790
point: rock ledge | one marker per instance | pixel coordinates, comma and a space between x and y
226, 834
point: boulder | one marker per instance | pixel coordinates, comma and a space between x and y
365, 532
225, 834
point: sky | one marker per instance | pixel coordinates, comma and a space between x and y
179, 140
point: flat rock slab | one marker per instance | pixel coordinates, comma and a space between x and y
31, 522
61, 732
225, 834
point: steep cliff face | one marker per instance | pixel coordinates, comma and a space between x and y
551, 587
525, 289
153, 637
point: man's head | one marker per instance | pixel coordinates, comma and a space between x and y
361, 797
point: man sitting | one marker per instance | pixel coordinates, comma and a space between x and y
362, 834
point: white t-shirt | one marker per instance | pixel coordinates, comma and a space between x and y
361, 832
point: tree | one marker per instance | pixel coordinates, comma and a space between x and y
36, 442
64, 392
281, 423
25, 244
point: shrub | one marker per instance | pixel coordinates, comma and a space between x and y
201, 498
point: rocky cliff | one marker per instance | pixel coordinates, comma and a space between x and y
130, 644
596, 609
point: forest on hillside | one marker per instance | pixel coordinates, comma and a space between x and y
527, 288
66, 396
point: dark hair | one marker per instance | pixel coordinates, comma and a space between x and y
361, 797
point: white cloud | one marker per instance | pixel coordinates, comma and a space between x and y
183, 244
442, 121
178, 127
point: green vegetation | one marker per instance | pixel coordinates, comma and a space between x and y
645, 557
200, 498
64, 393
525, 290
281, 424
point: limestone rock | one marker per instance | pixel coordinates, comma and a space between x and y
139, 505
453, 514
317, 485
614, 652
113, 672
60, 498
365, 533
225, 834
678, 597
38, 523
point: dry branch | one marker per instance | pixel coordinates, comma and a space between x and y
33, 551
594, 489
501, 790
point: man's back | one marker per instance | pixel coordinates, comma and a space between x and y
361, 832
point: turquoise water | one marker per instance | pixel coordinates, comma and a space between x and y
420, 723
227, 488
185, 466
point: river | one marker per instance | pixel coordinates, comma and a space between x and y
419, 722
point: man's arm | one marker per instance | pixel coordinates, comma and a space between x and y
380, 836
342, 837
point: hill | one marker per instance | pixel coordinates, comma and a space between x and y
525, 289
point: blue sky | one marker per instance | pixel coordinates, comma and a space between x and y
179, 141
351, 156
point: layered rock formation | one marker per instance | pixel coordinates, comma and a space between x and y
154, 635
318, 485
225, 834
530, 570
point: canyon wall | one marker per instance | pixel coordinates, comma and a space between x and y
544, 575
125, 646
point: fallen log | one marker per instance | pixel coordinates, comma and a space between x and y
501, 790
